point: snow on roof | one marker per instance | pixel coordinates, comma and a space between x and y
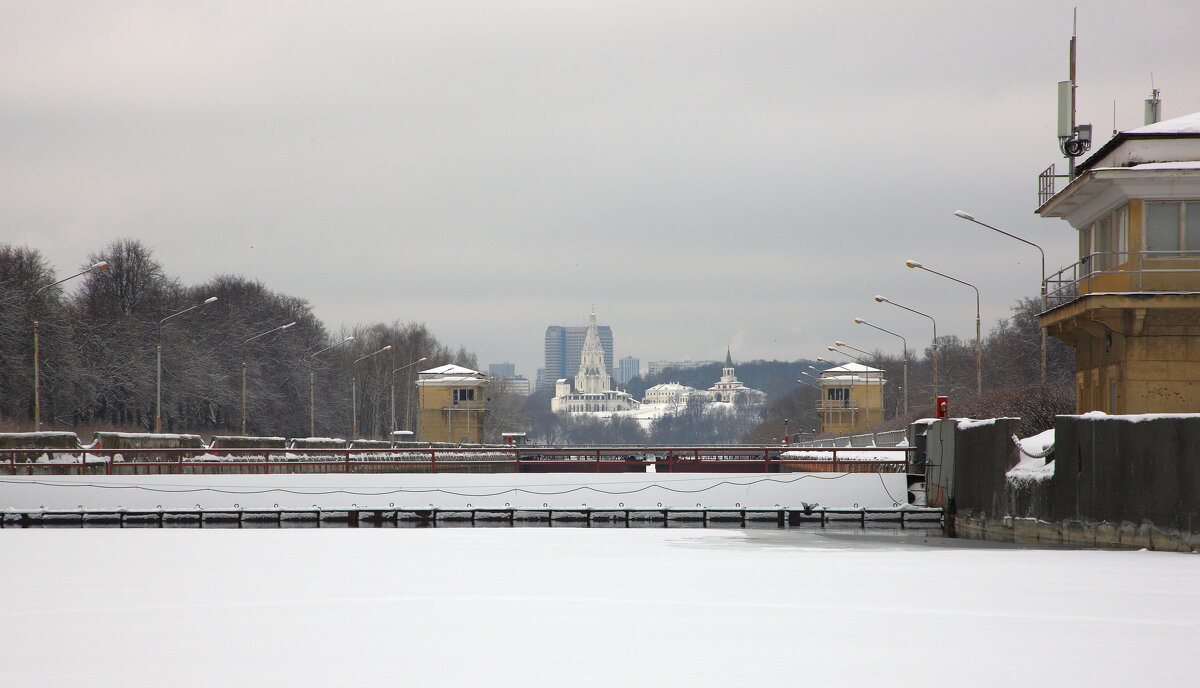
450, 369
853, 368
672, 386
1188, 124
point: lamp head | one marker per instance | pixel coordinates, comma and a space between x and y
211, 299
964, 214
880, 299
859, 321
913, 264
822, 359
422, 359
387, 348
288, 325
839, 343
349, 339
102, 265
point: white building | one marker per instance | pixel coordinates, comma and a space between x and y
669, 393
730, 389
593, 387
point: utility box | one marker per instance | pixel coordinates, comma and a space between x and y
943, 407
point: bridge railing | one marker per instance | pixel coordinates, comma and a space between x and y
611, 459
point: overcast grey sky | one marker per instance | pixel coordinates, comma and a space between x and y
706, 173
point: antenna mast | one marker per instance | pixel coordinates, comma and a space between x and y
1073, 139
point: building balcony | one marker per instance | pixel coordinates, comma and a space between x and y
837, 405
1125, 272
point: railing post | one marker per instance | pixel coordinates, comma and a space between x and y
597, 460
347, 458
432, 460
766, 460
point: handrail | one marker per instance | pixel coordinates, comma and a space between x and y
1076, 279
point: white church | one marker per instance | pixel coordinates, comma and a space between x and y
593, 386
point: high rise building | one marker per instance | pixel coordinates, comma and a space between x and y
627, 369
563, 348
502, 370
593, 385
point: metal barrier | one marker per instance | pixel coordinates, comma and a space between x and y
888, 438
710, 459
1124, 271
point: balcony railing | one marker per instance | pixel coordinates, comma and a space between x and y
836, 405
1125, 271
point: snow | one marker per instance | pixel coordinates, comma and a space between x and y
1187, 124
967, 423
451, 491
857, 454
852, 368
515, 608
1031, 466
450, 369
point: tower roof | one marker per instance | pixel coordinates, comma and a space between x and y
728, 358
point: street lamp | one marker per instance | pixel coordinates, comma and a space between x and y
968, 216
263, 334
354, 389
904, 344
834, 350
37, 388
865, 353
407, 365
312, 386
158, 361
978, 340
933, 353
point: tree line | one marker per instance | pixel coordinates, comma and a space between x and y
98, 353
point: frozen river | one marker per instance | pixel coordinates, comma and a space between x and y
585, 607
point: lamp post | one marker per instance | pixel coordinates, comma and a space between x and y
904, 344
864, 353
37, 387
407, 365
312, 386
933, 353
354, 389
968, 216
852, 357
158, 361
257, 336
978, 339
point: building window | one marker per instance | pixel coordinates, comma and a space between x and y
464, 395
838, 395
1173, 226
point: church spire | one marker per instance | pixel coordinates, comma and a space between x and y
592, 377
728, 358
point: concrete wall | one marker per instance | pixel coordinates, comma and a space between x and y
1117, 469
1118, 481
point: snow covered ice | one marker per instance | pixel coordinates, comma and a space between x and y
585, 607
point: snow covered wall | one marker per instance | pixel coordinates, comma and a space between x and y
452, 491
1129, 480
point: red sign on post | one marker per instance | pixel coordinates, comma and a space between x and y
943, 407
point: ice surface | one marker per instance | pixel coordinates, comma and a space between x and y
576, 607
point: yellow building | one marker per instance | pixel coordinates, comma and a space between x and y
851, 399
452, 405
1131, 305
